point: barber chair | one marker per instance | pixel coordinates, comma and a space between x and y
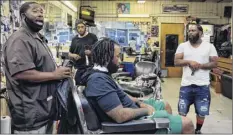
90, 123
141, 68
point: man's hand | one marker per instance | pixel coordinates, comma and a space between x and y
88, 52
194, 65
146, 106
74, 56
62, 72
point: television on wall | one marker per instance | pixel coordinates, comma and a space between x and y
87, 15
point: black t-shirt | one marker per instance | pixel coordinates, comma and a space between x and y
78, 47
104, 95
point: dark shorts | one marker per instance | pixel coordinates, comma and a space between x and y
197, 95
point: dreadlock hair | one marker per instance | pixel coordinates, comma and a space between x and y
103, 51
23, 9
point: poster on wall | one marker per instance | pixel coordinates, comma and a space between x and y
168, 8
123, 8
154, 31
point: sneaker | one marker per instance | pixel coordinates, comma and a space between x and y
198, 132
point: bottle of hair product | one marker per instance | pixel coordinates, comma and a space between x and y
142, 49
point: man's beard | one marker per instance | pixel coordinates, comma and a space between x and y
112, 68
82, 33
193, 39
32, 25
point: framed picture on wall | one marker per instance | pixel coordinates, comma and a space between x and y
154, 31
123, 8
176, 9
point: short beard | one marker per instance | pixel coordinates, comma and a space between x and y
194, 40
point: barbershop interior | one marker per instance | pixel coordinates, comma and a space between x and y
116, 66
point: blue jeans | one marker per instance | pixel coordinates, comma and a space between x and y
197, 95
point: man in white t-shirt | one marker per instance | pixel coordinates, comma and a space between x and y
197, 59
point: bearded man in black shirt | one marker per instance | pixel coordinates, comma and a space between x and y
80, 49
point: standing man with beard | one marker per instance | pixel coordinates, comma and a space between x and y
31, 74
197, 59
80, 49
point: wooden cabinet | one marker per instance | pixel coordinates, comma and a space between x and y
225, 66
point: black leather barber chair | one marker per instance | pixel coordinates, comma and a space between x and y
141, 68
90, 122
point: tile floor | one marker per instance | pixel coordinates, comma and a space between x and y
220, 118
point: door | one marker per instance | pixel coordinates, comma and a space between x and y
172, 34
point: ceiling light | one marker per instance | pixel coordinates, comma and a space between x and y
141, 1
70, 5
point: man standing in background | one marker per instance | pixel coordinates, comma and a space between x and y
197, 58
80, 49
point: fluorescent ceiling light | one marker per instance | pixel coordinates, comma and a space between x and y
70, 5
141, 1
133, 15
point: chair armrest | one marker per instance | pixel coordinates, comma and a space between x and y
115, 75
136, 125
149, 78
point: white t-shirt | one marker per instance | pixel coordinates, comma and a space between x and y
201, 55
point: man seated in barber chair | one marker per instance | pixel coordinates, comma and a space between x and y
112, 104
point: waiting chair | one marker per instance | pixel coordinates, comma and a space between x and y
90, 122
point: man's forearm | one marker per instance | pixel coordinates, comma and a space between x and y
126, 114
35, 76
72, 55
209, 65
181, 63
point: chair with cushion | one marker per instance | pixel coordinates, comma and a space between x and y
90, 123
141, 68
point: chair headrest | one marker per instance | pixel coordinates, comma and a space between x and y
145, 67
90, 115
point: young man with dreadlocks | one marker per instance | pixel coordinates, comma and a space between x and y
110, 101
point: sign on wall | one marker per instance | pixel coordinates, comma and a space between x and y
182, 8
123, 8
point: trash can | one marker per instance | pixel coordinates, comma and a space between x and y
226, 85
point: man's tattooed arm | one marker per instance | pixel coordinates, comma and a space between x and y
120, 114
211, 64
